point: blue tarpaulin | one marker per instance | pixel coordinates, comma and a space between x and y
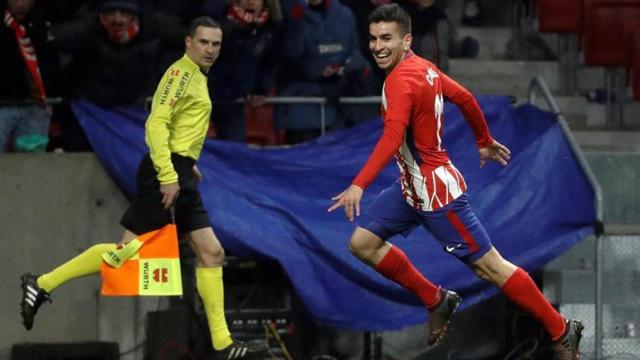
271, 203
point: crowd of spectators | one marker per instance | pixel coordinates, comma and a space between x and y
112, 53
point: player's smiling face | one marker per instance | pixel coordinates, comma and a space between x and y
387, 44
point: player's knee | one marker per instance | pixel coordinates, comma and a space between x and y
357, 248
495, 273
362, 249
353, 248
482, 274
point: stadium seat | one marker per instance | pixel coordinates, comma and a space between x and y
604, 27
559, 16
260, 126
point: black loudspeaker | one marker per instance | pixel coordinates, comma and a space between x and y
168, 335
92, 350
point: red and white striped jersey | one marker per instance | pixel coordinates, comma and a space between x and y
412, 112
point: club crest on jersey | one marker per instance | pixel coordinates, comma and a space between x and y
431, 74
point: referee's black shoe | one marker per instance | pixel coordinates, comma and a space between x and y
32, 297
243, 350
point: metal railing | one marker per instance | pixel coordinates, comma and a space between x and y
22, 102
320, 101
273, 100
538, 84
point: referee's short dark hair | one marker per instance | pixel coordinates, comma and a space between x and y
204, 21
392, 13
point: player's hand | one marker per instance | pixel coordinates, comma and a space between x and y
197, 173
350, 199
170, 193
496, 152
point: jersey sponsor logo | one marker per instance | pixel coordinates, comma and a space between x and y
182, 85
451, 249
431, 74
165, 90
180, 88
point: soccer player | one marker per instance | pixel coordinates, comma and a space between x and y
168, 177
431, 192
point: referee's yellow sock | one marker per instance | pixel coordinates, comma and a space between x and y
86, 263
211, 291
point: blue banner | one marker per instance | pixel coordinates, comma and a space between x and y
272, 203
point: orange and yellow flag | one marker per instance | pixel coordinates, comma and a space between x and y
153, 271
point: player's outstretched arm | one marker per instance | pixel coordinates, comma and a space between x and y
350, 199
496, 152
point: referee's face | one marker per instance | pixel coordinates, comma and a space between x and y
204, 47
387, 44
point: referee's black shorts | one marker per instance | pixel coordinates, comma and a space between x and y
146, 212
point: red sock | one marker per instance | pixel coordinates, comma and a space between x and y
521, 289
397, 267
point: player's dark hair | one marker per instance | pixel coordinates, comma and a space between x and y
392, 13
203, 21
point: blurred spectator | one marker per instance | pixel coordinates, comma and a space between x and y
246, 67
117, 53
472, 13
526, 43
58, 11
435, 36
217, 9
184, 9
321, 57
118, 50
24, 113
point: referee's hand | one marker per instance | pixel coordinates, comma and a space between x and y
170, 193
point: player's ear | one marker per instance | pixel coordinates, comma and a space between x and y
406, 42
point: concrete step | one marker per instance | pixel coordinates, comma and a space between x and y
610, 141
580, 113
503, 77
493, 40
584, 115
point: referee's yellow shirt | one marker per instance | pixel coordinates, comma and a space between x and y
179, 117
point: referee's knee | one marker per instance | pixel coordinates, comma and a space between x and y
211, 253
